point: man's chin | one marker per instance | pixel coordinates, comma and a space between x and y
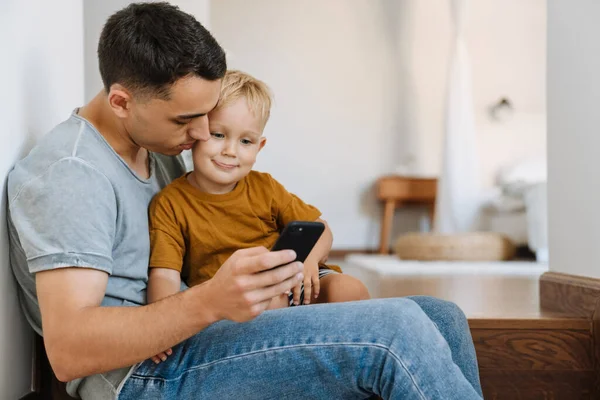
168, 152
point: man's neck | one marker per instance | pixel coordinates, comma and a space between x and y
99, 114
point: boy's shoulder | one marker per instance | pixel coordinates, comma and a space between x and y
171, 191
264, 177
262, 181
264, 185
257, 176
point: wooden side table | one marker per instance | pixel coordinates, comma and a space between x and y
397, 191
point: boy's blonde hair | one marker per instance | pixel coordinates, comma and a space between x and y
237, 84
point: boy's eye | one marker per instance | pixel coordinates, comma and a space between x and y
217, 135
246, 141
180, 123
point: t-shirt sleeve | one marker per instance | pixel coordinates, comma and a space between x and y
288, 207
167, 243
66, 217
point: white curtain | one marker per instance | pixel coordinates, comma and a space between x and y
457, 205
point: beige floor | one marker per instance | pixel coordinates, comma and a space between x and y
486, 293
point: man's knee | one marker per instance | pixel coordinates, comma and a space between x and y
435, 305
442, 312
396, 314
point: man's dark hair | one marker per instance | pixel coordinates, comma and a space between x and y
146, 47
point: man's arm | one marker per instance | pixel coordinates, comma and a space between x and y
83, 338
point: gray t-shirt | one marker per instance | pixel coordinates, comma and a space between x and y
73, 201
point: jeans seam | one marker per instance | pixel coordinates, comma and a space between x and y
252, 353
119, 388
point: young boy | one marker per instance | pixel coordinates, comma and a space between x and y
200, 219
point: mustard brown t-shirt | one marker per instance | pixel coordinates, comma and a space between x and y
195, 232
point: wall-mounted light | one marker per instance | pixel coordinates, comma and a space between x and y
502, 110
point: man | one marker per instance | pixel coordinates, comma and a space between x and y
79, 250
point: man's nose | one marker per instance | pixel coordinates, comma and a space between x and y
198, 129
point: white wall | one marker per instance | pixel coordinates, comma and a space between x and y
360, 85
573, 139
334, 122
506, 41
95, 15
42, 67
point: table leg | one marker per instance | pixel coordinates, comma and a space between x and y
386, 226
431, 210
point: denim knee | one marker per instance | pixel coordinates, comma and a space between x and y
441, 311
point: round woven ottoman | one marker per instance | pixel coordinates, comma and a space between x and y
476, 246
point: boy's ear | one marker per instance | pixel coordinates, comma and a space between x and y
263, 141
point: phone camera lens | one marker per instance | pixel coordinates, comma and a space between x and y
300, 229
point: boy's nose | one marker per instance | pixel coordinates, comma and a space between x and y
229, 150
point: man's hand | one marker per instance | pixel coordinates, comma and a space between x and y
311, 283
82, 338
245, 284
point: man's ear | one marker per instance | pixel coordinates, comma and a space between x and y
120, 100
263, 141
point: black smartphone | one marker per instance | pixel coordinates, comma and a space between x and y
300, 236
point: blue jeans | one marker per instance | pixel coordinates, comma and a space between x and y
387, 347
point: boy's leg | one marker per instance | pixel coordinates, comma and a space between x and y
453, 325
336, 288
387, 347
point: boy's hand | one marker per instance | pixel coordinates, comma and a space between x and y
311, 283
162, 356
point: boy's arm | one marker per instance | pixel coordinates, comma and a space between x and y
320, 252
167, 248
318, 255
287, 207
162, 282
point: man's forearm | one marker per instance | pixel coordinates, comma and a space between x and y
100, 339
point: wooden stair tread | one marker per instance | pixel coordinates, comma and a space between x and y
523, 352
527, 319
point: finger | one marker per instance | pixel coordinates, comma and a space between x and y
267, 293
297, 291
307, 289
265, 261
262, 306
169, 352
162, 356
156, 360
273, 277
316, 287
250, 252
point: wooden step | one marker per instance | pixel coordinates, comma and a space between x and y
523, 352
543, 356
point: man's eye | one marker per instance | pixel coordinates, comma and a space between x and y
246, 141
217, 135
180, 123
